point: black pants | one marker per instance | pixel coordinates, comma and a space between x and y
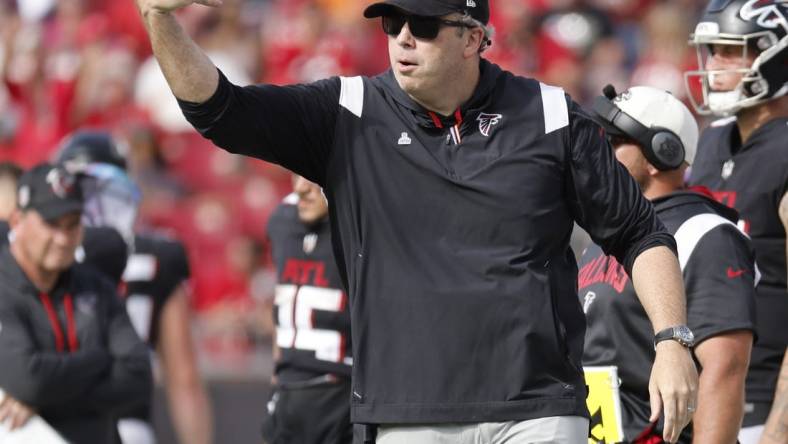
309, 412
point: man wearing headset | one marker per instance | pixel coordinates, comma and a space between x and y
655, 136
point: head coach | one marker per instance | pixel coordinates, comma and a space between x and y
452, 187
67, 348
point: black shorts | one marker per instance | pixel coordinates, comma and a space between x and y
309, 412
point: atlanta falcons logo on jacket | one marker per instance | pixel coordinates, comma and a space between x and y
487, 121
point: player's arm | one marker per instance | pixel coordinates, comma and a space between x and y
720, 281
188, 402
609, 205
292, 126
43, 378
776, 429
724, 360
129, 381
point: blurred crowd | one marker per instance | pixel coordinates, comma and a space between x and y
69, 64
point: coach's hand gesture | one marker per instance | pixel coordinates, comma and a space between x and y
673, 388
189, 72
171, 5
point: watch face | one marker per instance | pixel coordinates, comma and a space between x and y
684, 335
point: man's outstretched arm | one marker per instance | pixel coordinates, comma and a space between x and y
189, 72
189, 406
673, 387
292, 126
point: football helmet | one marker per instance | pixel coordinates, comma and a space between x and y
760, 29
112, 199
91, 146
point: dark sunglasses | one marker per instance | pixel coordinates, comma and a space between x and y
421, 27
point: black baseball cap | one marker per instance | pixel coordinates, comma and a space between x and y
50, 190
478, 9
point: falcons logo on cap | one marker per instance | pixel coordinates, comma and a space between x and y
61, 182
487, 121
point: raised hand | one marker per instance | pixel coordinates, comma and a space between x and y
189, 72
165, 6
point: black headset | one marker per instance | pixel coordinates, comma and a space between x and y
661, 146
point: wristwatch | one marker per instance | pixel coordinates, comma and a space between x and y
680, 333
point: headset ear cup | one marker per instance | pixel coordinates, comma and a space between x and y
667, 151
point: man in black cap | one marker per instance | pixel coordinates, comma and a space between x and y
67, 347
102, 247
452, 188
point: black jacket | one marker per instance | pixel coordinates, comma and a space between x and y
77, 371
452, 233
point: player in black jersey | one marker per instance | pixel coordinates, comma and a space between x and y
717, 265
311, 403
155, 280
742, 50
157, 302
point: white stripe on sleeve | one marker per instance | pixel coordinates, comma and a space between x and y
692, 231
556, 113
351, 96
